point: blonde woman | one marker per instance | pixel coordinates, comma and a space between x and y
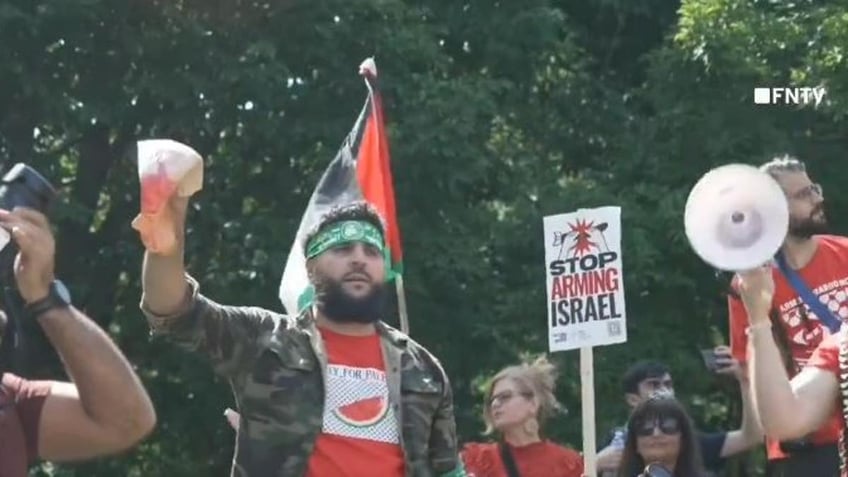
518, 402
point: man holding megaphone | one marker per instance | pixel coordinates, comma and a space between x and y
784, 311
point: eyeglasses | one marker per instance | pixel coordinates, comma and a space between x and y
812, 190
667, 425
506, 396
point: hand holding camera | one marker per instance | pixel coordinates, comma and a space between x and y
26, 268
105, 409
728, 365
34, 263
720, 361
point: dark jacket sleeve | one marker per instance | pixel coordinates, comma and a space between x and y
228, 335
444, 447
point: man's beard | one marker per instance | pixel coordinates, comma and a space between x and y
814, 224
338, 305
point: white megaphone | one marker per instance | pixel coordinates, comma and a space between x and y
736, 217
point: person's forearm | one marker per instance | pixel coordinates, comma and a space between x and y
163, 282
751, 428
110, 392
773, 398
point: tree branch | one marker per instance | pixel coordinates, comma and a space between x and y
95, 160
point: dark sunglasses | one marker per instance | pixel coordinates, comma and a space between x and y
667, 425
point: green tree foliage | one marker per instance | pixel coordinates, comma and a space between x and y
499, 113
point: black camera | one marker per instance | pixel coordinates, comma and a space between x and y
22, 186
24, 347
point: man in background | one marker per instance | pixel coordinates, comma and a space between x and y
646, 378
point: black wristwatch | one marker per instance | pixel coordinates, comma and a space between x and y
58, 296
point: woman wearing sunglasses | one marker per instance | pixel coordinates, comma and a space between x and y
518, 402
660, 433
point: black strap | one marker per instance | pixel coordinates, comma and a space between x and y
508, 461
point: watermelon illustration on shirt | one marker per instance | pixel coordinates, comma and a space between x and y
357, 405
364, 413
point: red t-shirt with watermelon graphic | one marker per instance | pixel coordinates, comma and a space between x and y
827, 276
360, 433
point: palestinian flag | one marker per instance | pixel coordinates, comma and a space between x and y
359, 171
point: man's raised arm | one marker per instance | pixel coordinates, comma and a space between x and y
105, 409
164, 285
228, 335
750, 433
786, 410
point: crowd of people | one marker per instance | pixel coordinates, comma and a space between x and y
337, 392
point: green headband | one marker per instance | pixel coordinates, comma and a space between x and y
341, 233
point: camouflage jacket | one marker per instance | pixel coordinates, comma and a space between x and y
276, 366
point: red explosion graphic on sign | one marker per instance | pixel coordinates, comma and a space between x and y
582, 230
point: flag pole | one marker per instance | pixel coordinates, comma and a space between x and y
404, 318
368, 69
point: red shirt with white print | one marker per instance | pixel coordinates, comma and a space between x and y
827, 276
360, 435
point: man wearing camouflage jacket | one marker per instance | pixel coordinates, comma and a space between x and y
333, 392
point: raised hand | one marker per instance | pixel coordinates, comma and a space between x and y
35, 262
756, 288
728, 365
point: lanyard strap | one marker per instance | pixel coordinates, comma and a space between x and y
508, 461
822, 312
